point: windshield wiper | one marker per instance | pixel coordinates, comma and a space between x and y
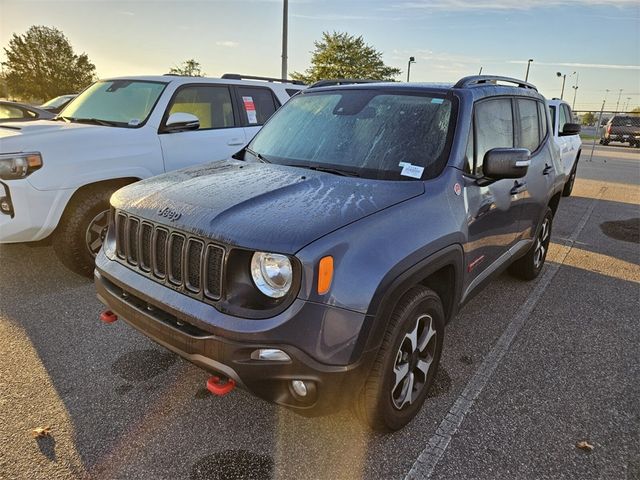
259, 156
335, 171
59, 118
94, 121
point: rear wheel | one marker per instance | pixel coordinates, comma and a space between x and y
529, 266
82, 230
406, 364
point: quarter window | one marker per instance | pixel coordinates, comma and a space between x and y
494, 128
257, 105
529, 134
211, 104
563, 119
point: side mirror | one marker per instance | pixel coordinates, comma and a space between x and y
181, 121
570, 129
502, 163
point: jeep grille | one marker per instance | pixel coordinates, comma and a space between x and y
180, 261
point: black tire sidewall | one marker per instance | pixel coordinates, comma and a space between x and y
69, 241
426, 302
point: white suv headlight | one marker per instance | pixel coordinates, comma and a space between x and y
14, 166
272, 273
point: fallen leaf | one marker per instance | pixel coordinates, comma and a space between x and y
584, 445
41, 432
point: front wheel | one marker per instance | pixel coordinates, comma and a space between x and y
82, 230
529, 266
568, 186
406, 364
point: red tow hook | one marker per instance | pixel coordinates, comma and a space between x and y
108, 316
219, 387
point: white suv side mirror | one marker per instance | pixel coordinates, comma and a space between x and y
181, 121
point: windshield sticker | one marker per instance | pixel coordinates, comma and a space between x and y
437, 100
414, 171
250, 108
134, 121
404, 164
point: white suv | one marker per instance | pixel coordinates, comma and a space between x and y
56, 177
567, 136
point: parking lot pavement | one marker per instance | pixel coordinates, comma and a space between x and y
121, 407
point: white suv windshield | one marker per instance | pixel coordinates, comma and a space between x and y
122, 103
369, 133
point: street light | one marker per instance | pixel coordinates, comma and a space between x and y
526, 77
285, 28
618, 102
575, 91
564, 79
411, 60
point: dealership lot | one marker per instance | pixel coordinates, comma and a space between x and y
121, 407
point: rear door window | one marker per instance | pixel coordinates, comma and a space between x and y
256, 105
563, 119
528, 125
494, 128
543, 120
210, 103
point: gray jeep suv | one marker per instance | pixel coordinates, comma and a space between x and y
319, 267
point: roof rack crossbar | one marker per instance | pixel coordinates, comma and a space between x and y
341, 81
478, 80
238, 76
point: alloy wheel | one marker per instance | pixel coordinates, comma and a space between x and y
413, 362
96, 232
542, 244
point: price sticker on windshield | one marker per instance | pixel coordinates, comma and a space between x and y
409, 170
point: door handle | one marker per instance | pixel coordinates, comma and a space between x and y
547, 169
518, 187
235, 141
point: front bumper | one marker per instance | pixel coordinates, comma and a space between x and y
176, 323
36, 213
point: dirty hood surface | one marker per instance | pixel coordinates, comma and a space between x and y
260, 206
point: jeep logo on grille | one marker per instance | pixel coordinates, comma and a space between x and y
170, 214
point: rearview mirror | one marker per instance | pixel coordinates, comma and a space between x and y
570, 129
181, 121
502, 163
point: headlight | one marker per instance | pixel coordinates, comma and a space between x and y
19, 165
272, 273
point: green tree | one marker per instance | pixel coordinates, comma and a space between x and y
588, 118
635, 111
41, 64
340, 55
189, 68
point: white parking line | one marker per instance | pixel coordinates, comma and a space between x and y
426, 462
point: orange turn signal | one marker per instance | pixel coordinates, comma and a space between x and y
325, 274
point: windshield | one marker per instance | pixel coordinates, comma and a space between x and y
371, 133
125, 103
56, 102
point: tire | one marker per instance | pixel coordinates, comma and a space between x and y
568, 186
530, 265
84, 223
384, 404
605, 142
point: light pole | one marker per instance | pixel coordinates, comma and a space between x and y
575, 91
411, 60
618, 102
285, 28
564, 77
626, 105
480, 72
526, 77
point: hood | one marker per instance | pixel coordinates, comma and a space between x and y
27, 132
260, 206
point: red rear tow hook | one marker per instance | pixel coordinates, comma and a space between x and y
108, 316
219, 387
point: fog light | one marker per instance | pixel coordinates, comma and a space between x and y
270, 354
299, 388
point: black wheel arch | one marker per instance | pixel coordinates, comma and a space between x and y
441, 271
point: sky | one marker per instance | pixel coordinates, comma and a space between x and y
597, 39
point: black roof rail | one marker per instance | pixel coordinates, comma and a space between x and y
238, 76
341, 81
476, 80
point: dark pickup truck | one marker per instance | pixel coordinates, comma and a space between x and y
622, 128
